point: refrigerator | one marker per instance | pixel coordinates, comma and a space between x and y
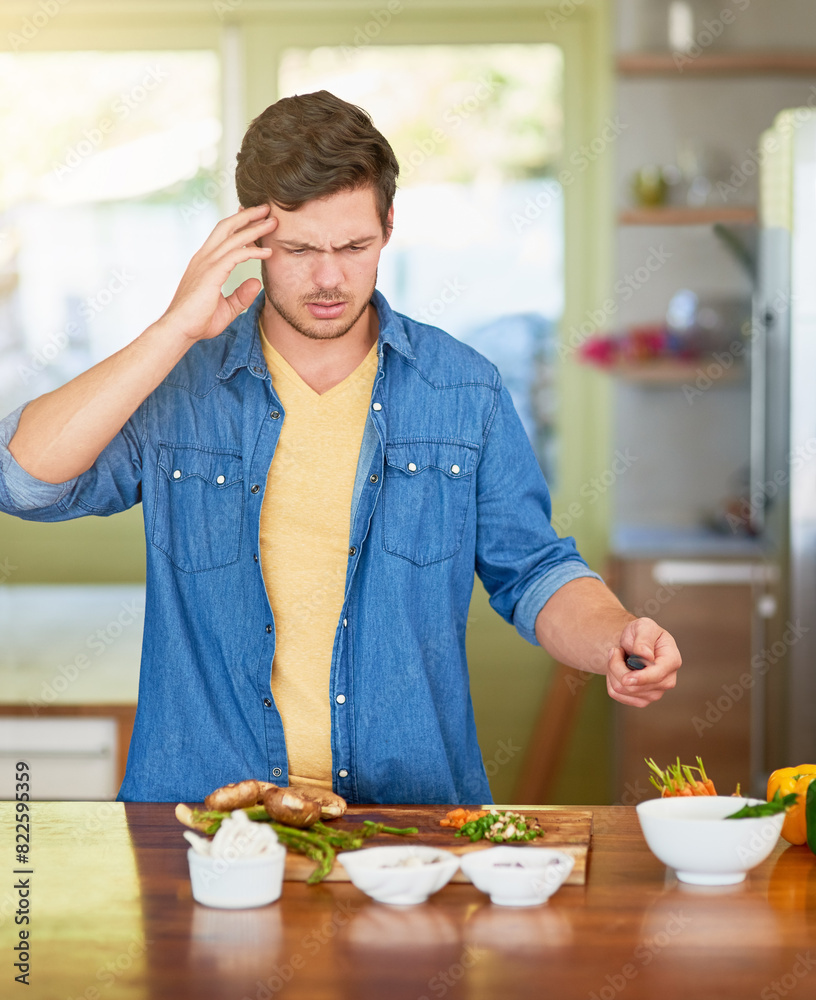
782, 501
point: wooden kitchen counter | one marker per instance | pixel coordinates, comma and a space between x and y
112, 916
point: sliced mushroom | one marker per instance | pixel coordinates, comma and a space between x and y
332, 806
235, 796
286, 805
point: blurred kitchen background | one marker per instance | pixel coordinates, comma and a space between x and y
600, 196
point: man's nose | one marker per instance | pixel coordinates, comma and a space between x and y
326, 272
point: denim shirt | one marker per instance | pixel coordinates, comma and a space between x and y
447, 482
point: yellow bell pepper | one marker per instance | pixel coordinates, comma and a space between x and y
793, 779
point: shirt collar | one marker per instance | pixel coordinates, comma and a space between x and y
246, 351
246, 346
392, 326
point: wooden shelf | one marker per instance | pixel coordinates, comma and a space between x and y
680, 215
669, 371
798, 62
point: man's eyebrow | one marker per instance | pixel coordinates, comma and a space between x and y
302, 245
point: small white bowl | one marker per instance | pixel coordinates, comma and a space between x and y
518, 876
692, 835
239, 883
382, 872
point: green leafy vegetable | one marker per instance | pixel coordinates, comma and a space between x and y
779, 803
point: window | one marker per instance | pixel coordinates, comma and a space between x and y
109, 183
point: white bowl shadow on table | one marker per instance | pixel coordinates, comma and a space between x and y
518, 930
686, 919
376, 928
237, 883
692, 835
518, 876
381, 872
237, 942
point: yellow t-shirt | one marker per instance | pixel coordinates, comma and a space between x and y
304, 549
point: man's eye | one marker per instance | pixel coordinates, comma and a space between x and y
299, 251
355, 249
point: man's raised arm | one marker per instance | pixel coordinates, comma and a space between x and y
62, 433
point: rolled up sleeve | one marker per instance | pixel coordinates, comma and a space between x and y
539, 592
112, 484
20, 491
519, 557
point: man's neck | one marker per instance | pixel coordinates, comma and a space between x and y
322, 364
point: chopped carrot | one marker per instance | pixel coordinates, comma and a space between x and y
457, 818
452, 817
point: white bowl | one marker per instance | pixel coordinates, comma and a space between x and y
517, 876
382, 873
238, 883
692, 835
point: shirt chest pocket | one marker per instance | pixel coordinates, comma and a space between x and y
198, 511
426, 493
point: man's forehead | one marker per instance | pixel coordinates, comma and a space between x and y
335, 219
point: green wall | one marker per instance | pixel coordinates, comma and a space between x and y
88, 550
509, 679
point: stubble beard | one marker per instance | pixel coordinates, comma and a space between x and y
317, 330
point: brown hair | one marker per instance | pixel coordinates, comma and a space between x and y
311, 146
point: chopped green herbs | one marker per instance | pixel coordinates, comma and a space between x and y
501, 827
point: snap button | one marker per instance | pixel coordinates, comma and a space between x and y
342, 773
268, 629
345, 622
257, 370
455, 470
374, 478
376, 406
340, 699
221, 480
267, 702
254, 488
276, 772
275, 414
177, 474
353, 550
411, 467
255, 557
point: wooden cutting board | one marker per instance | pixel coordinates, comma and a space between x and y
568, 830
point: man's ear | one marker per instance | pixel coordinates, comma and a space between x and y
389, 225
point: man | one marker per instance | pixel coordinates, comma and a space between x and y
319, 478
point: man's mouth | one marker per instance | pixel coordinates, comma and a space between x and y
326, 310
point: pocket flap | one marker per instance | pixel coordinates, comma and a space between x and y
219, 468
455, 459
